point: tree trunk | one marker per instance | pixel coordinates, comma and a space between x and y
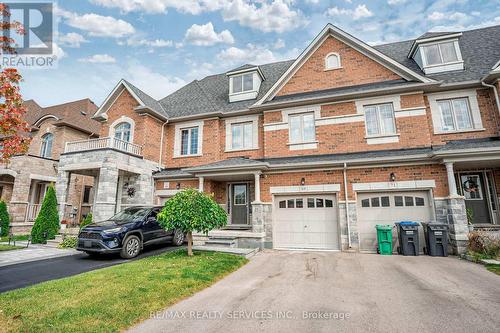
190, 243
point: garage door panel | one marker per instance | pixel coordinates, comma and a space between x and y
306, 222
399, 206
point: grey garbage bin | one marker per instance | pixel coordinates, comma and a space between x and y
408, 238
436, 239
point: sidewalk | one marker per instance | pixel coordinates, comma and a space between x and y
33, 253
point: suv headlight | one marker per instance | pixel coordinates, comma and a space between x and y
112, 231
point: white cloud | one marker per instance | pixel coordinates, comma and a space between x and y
395, 2
276, 16
440, 16
99, 59
199, 71
96, 25
279, 44
154, 84
193, 7
205, 35
254, 54
154, 43
71, 39
361, 11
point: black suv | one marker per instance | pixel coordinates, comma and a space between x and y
126, 232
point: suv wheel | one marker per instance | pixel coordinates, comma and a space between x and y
178, 239
131, 247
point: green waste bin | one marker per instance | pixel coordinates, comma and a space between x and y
384, 238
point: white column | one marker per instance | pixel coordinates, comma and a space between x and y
257, 187
452, 185
200, 184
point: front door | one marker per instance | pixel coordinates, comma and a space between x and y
239, 204
475, 193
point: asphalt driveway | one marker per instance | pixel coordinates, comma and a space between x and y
29, 273
326, 292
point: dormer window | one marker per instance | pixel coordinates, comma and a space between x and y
440, 53
242, 83
437, 52
332, 61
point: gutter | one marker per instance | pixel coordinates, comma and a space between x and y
347, 207
495, 92
161, 143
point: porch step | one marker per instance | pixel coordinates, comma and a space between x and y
55, 242
247, 253
221, 241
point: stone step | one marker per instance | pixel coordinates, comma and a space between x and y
221, 242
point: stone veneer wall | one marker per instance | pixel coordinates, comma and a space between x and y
262, 221
452, 212
353, 226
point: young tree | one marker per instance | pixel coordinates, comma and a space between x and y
12, 126
86, 221
191, 210
4, 218
47, 220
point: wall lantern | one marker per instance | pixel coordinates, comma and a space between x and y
392, 177
178, 186
302, 181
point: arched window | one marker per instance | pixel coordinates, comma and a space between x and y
46, 148
332, 61
123, 131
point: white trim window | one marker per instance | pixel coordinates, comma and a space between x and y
455, 114
189, 141
302, 128
242, 83
123, 131
332, 61
46, 146
242, 136
440, 53
379, 119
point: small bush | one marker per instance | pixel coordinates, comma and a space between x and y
4, 218
47, 220
484, 244
69, 242
86, 221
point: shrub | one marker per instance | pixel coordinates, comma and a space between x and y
484, 243
47, 220
86, 221
69, 242
4, 218
191, 210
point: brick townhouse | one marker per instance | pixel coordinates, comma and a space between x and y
312, 153
25, 178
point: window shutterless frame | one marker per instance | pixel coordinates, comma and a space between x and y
298, 126
439, 47
189, 141
242, 83
377, 123
242, 135
455, 123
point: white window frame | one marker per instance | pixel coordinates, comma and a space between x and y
382, 131
122, 119
129, 130
242, 120
474, 111
301, 116
455, 45
454, 114
241, 76
189, 131
44, 152
327, 68
178, 138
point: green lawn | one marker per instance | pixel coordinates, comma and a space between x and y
493, 268
113, 298
17, 238
7, 247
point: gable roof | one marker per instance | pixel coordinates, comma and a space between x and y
76, 114
358, 45
480, 50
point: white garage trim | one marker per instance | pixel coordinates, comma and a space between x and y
325, 188
401, 185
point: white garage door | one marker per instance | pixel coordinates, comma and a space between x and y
388, 208
306, 222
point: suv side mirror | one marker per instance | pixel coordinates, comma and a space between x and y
150, 219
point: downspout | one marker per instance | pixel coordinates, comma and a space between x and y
161, 143
347, 207
495, 92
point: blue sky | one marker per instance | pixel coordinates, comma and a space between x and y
160, 45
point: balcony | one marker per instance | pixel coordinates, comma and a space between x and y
102, 144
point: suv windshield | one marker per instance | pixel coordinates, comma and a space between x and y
130, 214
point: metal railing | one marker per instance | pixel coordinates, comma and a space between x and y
103, 143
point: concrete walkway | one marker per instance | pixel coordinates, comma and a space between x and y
341, 292
32, 253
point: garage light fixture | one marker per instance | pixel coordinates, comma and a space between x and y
392, 177
302, 181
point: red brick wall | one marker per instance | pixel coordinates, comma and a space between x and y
436, 172
338, 109
356, 69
